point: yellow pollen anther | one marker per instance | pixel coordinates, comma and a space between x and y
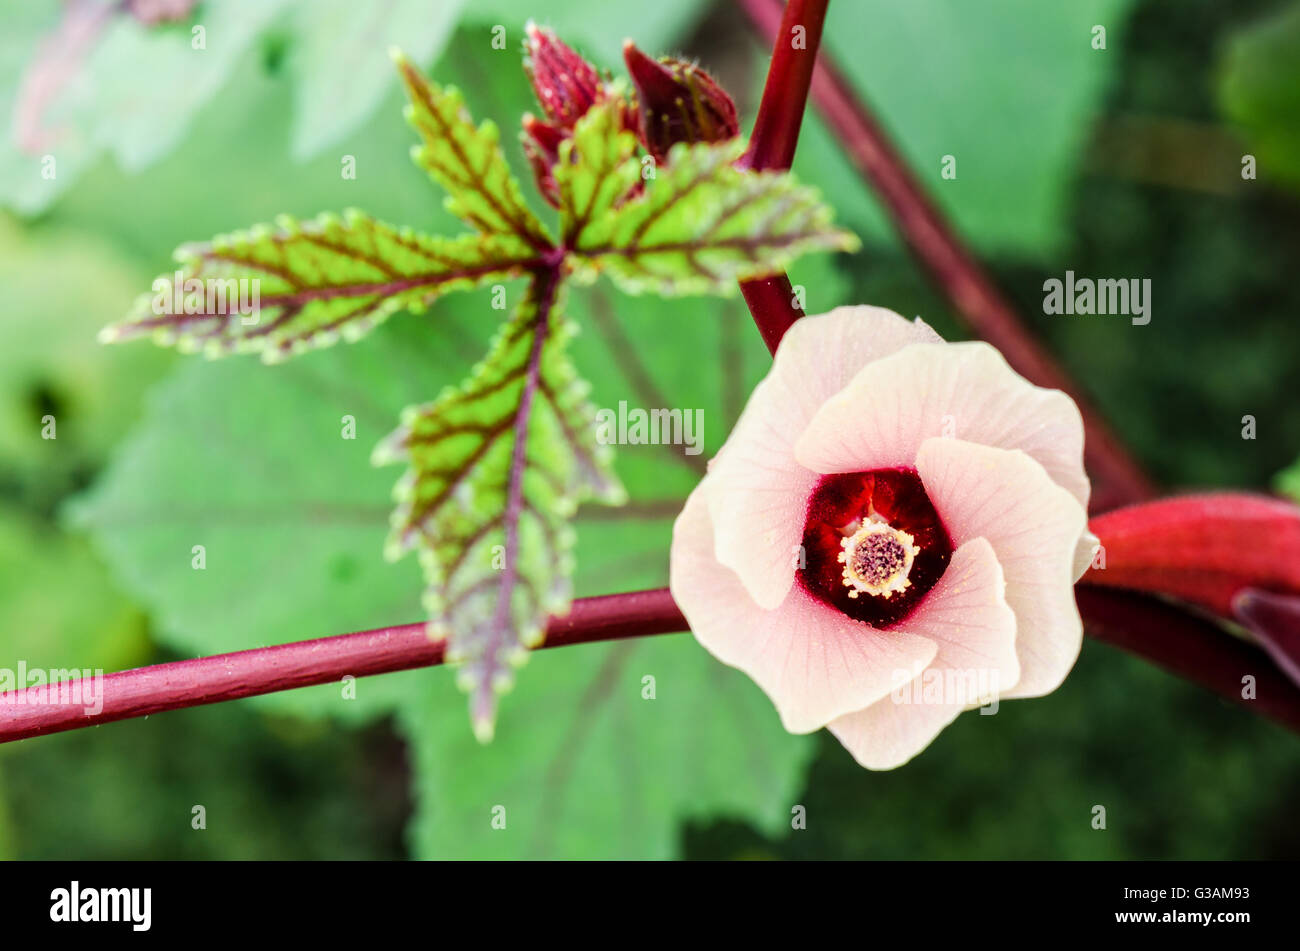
877, 559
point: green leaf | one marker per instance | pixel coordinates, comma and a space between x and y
256, 184
290, 512
258, 468
282, 291
497, 469
60, 288
339, 64
1287, 482
467, 160
1260, 91
586, 768
132, 91
99, 628
700, 225
595, 760
1010, 90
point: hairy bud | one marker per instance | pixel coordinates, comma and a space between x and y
679, 102
566, 85
542, 147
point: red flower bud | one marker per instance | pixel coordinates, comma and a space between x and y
566, 84
679, 102
542, 147
1202, 549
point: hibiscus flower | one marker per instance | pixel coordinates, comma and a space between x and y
890, 535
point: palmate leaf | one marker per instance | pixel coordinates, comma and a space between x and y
466, 160
497, 469
698, 226
308, 284
279, 495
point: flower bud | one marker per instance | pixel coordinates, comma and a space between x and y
679, 102
566, 84
542, 147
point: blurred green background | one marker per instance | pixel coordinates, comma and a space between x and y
1122, 161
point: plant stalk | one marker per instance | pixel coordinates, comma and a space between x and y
772, 145
36, 711
1168, 636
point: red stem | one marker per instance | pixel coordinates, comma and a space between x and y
1117, 478
789, 76
193, 683
771, 301
772, 145
1169, 636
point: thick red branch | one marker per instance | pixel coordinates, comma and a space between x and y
795, 33
776, 133
771, 302
1160, 632
1117, 479
36, 711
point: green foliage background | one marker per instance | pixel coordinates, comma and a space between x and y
1123, 162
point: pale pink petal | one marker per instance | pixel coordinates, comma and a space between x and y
968, 617
962, 390
1034, 526
1084, 553
756, 490
966, 614
812, 661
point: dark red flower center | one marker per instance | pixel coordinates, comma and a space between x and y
873, 544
